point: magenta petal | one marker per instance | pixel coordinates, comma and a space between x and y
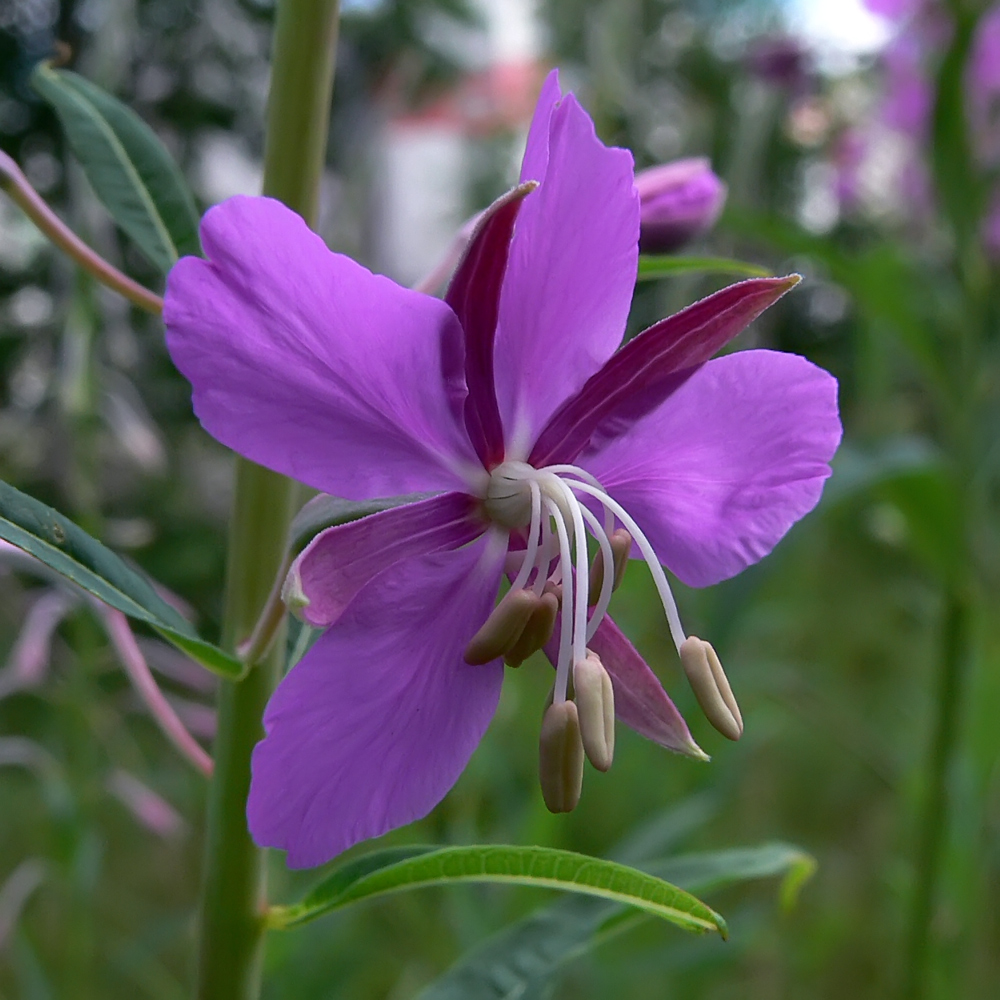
304, 361
375, 724
474, 295
652, 366
718, 473
536, 149
342, 560
570, 274
640, 701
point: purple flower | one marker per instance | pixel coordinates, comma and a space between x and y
678, 202
507, 403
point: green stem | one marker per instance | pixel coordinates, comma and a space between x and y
233, 892
934, 823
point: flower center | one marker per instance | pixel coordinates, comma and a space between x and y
545, 506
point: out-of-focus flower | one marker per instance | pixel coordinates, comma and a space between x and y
983, 84
991, 228
895, 10
678, 202
508, 403
781, 60
910, 63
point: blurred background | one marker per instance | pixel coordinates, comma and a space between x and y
860, 141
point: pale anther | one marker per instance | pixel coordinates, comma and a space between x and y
621, 549
595, 702
560, 757
503, 628
711, 687
537, 631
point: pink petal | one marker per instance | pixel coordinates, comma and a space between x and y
474, 295
536, 149
652, 366
302, 360
718, 473
570, 274
374, 725
341, 561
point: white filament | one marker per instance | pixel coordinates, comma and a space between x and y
565, 632
531, 551
608, 581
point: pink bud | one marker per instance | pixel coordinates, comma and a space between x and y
677, 202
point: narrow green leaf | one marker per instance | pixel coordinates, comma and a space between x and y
130, 169
62, 546
540, 867
520, 961
709, 871
666, 266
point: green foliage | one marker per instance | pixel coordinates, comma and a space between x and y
66, 548
130, 170
538, 867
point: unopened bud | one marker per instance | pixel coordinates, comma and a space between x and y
677, 202
621, 548
537, 631
503, 628
595, 702
711, 686
560, 757
292, 594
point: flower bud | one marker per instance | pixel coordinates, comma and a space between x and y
711, 687
503, 628
292, 593
621, 548
677, 202
537, 631
560, 757
595, 702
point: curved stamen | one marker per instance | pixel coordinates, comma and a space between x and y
575, 470
566, 626
607, 580
582, 567
544, 558
659, 577
531, 552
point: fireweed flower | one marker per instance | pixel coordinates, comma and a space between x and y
507, 405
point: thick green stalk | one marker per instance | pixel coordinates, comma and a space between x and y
934, 821
233, 892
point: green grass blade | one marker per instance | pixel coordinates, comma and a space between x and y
127, 165
667, 266
539, 867
58, 543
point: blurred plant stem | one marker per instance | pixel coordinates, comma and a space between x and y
941, 754
233, 891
